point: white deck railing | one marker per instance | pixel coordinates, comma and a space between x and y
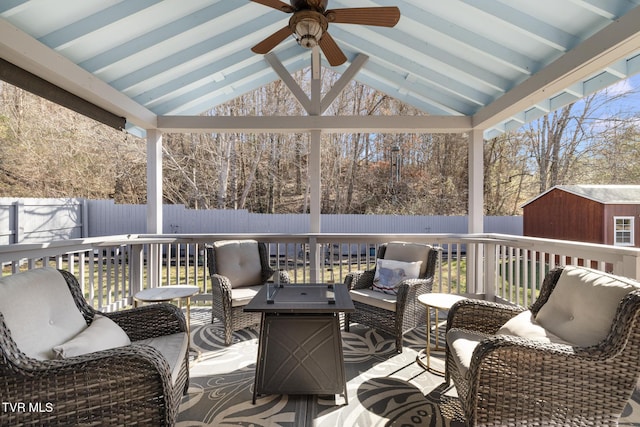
495, 267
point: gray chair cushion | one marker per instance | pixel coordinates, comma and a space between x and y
39, 310
374, 298
461, 344
408, 252
242, 296
173, 347
239, 261
583, 304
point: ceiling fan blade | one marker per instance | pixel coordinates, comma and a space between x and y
275, 4
378, 16
272, 41
334, 54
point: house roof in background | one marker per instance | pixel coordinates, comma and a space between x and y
605, 194
500, 63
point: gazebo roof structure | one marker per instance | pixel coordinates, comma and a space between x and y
480, 67
485, 64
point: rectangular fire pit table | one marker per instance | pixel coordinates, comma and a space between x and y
300, 346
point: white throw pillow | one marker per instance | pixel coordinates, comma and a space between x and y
102, 334
390, 273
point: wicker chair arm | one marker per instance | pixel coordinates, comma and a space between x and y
514, 344
360, 279
221, 286
507, 370
150, 321
135, 378
284, 276
409, 288
480, 316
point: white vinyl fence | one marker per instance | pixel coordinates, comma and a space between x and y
43, 220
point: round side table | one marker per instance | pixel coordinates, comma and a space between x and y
437, 302
169, 293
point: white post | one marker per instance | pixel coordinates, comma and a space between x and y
154, 202
315, 174
314, 204
475, 275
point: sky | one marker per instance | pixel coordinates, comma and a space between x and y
632, 85
628, 105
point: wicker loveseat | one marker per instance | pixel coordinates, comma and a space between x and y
238, 268
572, 359
397, 313
64, 363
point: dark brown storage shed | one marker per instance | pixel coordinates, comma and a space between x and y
586, 213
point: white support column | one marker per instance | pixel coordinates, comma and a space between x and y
154, 202
475, 273
315, 172
476, 181
314, 203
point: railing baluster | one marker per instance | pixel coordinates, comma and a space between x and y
108, 267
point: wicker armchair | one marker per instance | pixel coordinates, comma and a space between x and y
394, 314
572, 359
238, 269
132, 384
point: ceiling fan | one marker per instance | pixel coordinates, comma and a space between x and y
310, 21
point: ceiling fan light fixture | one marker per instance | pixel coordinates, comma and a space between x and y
308, 32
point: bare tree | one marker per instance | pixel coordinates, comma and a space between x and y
561, 141
507, 178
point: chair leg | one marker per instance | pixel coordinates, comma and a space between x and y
399, 347
228, 332
347, 320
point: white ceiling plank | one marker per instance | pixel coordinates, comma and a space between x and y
59, 38
151, 38
454, 105
241, 86
492, 50
410, 46
430, 57
621, 38
29, 54
10, 7
606, 9
254, 70
212, 72
155, 67
455, 57
545, 33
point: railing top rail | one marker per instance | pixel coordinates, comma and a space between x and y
536, 243
549, 245
606, 253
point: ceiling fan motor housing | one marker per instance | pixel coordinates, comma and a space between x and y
309, 27
310, 21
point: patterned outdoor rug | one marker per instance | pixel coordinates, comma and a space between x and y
384, 388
